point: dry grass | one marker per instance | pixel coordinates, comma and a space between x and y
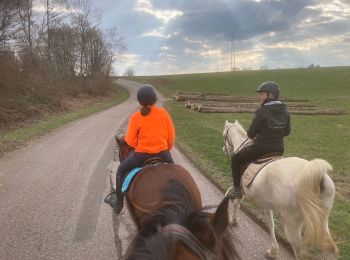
29, 92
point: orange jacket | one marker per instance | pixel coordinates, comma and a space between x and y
152, 133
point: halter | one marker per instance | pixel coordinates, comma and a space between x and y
228, 141
189, 240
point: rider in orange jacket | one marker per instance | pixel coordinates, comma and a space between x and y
150, 132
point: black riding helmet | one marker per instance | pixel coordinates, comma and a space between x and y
269, 86
146, 95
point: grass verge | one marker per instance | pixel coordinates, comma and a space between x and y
13, 139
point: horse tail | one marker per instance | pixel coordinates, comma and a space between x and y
316, 193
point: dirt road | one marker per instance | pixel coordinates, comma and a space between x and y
52, 191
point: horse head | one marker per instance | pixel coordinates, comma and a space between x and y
123, 147
209, 238
177, 231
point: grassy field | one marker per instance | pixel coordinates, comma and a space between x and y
327, 137
11, 140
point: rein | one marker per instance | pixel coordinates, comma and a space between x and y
242, 145
228, 141
189, 240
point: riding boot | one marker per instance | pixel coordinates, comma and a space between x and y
236, 193
119, 200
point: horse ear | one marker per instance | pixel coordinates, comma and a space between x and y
119, 140
220, 221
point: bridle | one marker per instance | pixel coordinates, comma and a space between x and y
226, 139
189, 240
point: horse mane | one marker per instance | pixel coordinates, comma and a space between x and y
240, 128
179, 208
179, 204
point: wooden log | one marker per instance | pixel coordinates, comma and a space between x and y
319, 112
253, 105
188, 104
195, 106
252, 110
225, 110
185, 97
291, 99
230, 98
180, 92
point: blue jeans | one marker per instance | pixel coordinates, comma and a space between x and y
246, 155
136, 159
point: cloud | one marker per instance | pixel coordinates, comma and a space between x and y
156, 33
187, 36
164, 15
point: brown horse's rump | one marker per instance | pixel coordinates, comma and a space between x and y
145, 193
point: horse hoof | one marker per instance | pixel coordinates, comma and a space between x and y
233, 223
271, 254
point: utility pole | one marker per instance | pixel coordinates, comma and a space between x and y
233, 53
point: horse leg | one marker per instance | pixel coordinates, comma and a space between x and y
293, 234
273, 251
236, 203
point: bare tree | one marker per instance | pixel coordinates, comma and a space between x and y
86, 19
26, 29
115, 48
55, 11
7, 21
64, 48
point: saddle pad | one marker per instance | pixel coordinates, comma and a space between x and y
254, 168
129, 178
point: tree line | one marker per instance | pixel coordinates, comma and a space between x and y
53, 48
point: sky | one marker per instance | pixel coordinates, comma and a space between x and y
179, 36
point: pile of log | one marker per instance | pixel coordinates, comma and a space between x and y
296, 111
220, 103
182, 96
209, 104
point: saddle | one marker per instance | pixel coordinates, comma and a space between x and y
152, 162
251, 169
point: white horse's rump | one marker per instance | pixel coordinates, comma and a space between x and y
300, 190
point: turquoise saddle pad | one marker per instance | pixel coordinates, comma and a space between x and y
128, 179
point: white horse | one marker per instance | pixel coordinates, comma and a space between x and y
300, 190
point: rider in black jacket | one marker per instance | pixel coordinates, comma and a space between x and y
270, 124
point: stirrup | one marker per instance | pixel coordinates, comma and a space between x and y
235, 194
111, 199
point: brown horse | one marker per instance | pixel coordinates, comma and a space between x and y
166, 206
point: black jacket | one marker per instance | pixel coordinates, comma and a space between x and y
270, 124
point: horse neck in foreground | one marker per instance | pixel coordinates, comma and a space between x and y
177, 231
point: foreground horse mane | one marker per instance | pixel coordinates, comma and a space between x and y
152, 243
